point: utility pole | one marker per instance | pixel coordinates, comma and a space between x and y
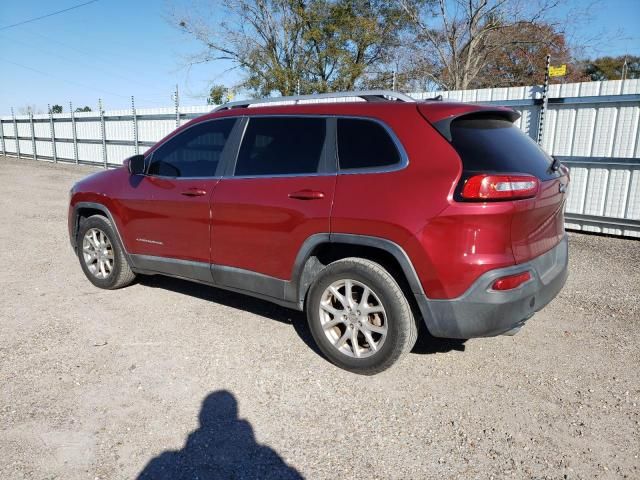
134, 121
543, 107
74, 132
15, 132
103, 134
52, 133
176, 100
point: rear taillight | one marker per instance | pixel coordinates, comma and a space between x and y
511, 282
500, 187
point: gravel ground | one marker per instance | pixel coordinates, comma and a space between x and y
151, 378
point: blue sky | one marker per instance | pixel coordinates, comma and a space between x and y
112, 49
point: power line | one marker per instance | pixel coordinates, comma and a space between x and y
74, 82
60, 79
79, 62
95, 54
47, 15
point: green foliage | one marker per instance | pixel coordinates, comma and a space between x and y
610, 68
314, 46
218, 95
56, 109
298, 46
83, 109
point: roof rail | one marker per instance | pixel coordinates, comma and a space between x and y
367, 95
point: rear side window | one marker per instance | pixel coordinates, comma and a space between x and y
281, 146
365, 144
194, 152
494, 144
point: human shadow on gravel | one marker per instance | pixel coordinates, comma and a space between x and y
224, 447
425, 345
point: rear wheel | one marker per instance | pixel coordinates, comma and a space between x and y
359, 316
101, 256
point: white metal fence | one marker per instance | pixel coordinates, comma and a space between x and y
592, 127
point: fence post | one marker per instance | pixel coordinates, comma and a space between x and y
135, 126
543, 107
15, 132
177, 105
103, 134
33, 136
74, 133
4, 149
52, 130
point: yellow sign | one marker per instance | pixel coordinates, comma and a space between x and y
560, 71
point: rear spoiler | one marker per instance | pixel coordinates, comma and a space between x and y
443, 123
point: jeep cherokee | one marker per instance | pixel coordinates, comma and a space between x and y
371, 213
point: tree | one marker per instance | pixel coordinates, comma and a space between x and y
347, 39
611, 68
83, 109
523, 63
296, 46
27, 109
218, 95
56, 109
462, 44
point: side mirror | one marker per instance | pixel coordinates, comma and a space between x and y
136, 164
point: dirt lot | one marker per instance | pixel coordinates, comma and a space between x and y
183, 381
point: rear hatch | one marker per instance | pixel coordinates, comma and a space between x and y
491, 147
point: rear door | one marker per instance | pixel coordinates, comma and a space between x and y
279, 193
167, 211
488, 143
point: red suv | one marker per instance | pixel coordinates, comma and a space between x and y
370, 215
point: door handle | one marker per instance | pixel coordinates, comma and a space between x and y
307, 195
194, 192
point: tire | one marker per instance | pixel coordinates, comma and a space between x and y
119, 274
330, 322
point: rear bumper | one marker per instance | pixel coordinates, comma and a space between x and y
482, 312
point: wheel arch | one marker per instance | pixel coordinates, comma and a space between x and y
321, 249
87, 209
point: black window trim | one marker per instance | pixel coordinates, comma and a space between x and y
404, 158
328, 162
230, 149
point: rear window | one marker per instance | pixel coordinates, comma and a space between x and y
364, 144
493, 144
281, 146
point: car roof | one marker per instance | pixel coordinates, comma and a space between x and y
432, 110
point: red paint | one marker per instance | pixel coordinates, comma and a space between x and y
258, 227
260, 224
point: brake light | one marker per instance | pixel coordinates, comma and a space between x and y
511, 282
500, 187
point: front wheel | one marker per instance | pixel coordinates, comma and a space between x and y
101, 256
359, 316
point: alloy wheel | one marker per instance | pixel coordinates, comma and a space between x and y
353, 318
97, 252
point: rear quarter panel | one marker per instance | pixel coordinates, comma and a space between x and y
397, 205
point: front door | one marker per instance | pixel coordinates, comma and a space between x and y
280, 193
167, 211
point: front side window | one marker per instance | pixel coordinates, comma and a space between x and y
365, 144
195, 152
281, 146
